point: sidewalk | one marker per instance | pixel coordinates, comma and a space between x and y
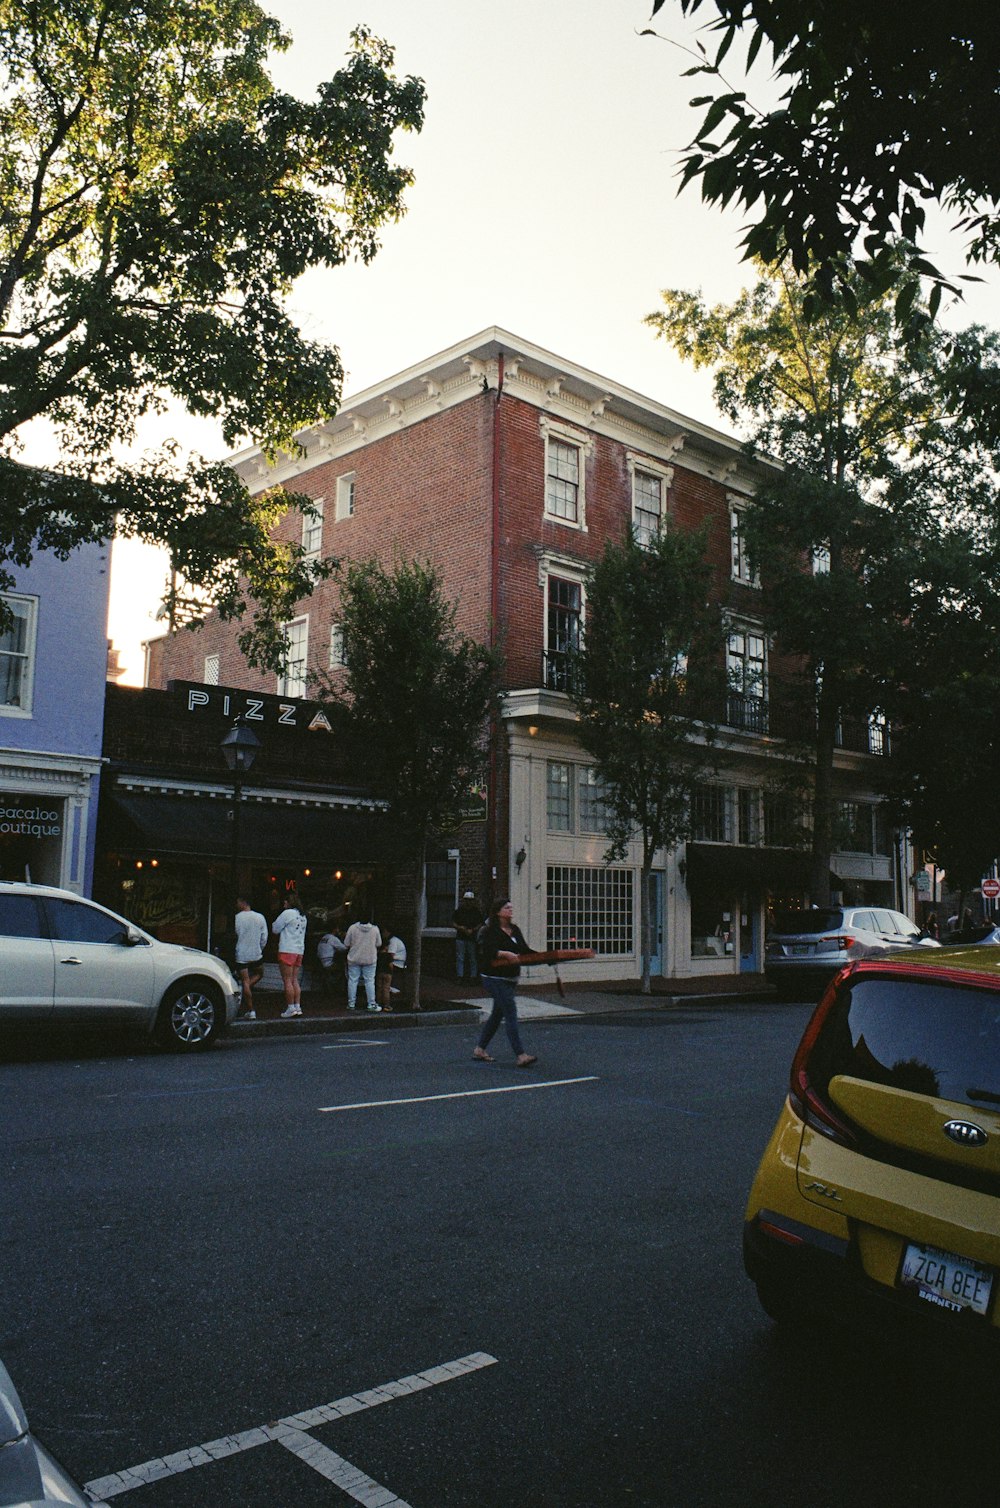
449, 1000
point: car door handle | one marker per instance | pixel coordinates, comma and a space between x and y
71, 960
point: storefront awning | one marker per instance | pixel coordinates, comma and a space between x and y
731, 867
181, 826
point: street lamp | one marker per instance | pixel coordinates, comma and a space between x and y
239, 750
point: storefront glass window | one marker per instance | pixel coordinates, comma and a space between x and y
712, 926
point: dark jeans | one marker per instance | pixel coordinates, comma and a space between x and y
504, 1009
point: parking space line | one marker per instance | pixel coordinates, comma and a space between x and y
341, 1473
462, 1094
131, 1477
333, 1046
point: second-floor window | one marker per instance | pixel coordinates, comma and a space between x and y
741, 567
574, 798
709, 820
564, 612
647, 506
17, 656
746, 674
312, 530
562, 481
296, 637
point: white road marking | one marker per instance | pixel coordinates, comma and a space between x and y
463, 1094
291, 1433
333, 1046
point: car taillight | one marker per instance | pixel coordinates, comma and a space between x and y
840, 941
806, 1100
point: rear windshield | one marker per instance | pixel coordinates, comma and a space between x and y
808, 921
931, 1038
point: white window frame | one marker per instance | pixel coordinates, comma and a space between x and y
739, 562
293, 681
337, 660
312, 530
819, 560
210, 674
345, 496
563, 434
26, 683
745, 691
551, 564
643, 466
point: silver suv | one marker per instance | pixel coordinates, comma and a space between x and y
65, 959
805, 949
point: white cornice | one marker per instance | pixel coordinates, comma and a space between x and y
564, 390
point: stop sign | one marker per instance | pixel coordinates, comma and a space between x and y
991, 889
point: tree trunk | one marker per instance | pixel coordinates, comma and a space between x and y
416, 929
644, 919
822, 839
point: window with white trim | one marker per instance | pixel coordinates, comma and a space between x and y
575, 798
741, 567
592, 800
710, 814
312, 528
345, 495
563, 621
563, 476
337, 656
647, 505
878, 733
17, 656
296, 637
820, 559
211, 675
558, 796
746, 674
589, 906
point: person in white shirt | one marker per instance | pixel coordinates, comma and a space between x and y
290, 929
330, 945
251, 940
363, 941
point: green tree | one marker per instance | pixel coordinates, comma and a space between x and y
883, 109
650, 658
870, 482
159, 198
418, 695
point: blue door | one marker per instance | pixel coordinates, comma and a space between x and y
749, 935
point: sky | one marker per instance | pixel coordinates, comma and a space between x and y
545, 201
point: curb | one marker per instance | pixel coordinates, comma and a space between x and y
307, 1026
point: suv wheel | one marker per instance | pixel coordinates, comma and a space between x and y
189, 1017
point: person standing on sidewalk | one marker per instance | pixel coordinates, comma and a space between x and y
501, 942
363, 940
251, 940
290, 930
468, 919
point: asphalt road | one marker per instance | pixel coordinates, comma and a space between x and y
337, 1270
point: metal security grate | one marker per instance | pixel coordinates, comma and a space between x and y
589, 908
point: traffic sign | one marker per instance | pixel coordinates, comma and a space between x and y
990, 889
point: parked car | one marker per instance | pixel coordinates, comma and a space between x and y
806, 948
29, 1476
984, 932
881, 1182
66, 959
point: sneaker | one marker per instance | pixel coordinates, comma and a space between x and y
292, 1010
352, 1007
374, 1007
247, 1016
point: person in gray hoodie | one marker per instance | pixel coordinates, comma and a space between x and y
363, 940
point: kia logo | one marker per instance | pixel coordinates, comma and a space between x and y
966, 1133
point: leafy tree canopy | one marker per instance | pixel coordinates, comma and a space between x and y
158, 199
884, 109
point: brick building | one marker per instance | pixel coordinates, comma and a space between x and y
509, 469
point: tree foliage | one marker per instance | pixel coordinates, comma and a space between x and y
641, 679
880, 492
883, 110
418, 695
158, 199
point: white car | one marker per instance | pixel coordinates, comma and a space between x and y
65, 959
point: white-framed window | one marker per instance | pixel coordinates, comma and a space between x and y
650, 484
589, 906
312, 529
440, 892
746, 675
17, 656
211, 673
592, 800
741, 567
820, 560
345, 495
566, 452
710, 814
563, 623
296, 637
878, 733
337, 658
559, 796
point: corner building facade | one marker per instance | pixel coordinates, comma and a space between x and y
510, 469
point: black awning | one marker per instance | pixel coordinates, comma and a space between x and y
202, 827
734, 866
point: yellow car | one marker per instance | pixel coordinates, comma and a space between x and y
881, 1181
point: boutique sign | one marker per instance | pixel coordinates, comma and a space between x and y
26, 819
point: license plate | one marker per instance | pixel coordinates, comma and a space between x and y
949, 1281
800, 950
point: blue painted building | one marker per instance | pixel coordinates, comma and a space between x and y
53, 671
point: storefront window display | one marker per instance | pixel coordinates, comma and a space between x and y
32, 830
713, 926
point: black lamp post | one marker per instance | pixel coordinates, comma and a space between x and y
239, 750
